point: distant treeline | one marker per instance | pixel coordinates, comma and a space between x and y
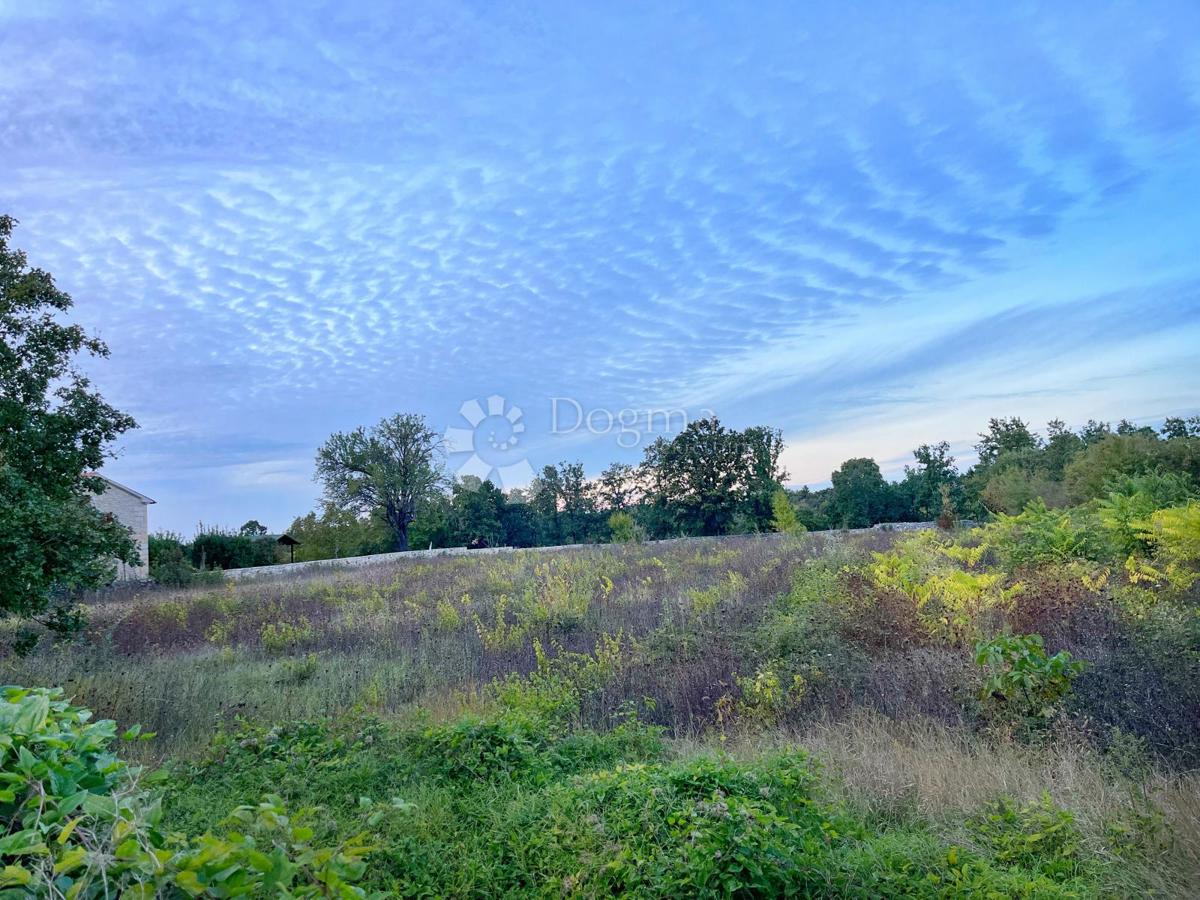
711, 480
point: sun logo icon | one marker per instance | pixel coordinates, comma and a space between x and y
489, 447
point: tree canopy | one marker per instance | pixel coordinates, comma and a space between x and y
390, 467
860, 494
708, 474
711, 479
55, 430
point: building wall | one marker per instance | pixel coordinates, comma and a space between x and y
131, 512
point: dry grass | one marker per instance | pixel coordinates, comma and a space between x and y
917, 768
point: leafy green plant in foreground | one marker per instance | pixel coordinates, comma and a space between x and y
77, 822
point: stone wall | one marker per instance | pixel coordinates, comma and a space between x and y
353, 562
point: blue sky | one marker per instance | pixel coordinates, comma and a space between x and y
870, 225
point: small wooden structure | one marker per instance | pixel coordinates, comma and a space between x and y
283, 540
286, 540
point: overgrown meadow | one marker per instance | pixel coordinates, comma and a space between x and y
1012, 710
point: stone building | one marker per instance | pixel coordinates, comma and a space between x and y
131, 509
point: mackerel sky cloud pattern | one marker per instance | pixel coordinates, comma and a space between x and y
870, 225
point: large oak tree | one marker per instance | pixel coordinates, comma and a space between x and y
706, 475
390, 467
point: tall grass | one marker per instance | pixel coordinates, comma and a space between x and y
740, 644
183, 662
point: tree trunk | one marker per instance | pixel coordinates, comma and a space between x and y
401, 530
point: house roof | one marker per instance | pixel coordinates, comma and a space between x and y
122, 487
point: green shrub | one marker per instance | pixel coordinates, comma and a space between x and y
904, 863
1174, 536
80, 823
1021, 680
218, 549
282, 637
708, 827
950, 601
507, 746
24, 641
266, 852
514, 746
66, 621
624, 529
297, 670
504, 806
1039, 837
1038, 535
1131, 499
170, 565
783, 515
446, 617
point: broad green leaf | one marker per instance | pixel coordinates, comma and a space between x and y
11, 876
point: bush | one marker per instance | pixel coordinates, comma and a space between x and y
1174, 536
505, 747
1132, 499
783, 515
81, 823
1039, 535
216, 549
170, 564
624, 529
1022, 680
707, 827
950, 601
1110, 457
1039, 837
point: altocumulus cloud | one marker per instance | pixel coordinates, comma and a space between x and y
871, 227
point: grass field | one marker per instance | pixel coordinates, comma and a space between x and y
740, 716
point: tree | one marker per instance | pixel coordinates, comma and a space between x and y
1005, 436
336, 533
1178, 427
390, 467
517, 517
924, 482
563, 506
253, 528
860, 494
1062, 445
544, 494
215, 548
477, 510
764, 476
706, 475
432, 525
1111, 456
783, 514
623, 528
1094, 431
1127, 427
577, 504
55, 429
617, 486
1010, 489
